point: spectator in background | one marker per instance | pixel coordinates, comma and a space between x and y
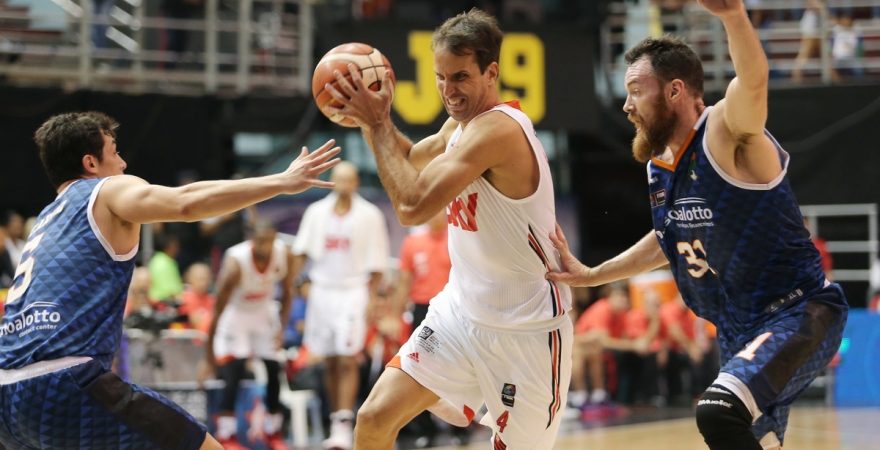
139, 300
346, 239
424, 268
13, 222
811, 35
101, 14
637, 368
387, 331
846, 47
165, 274
198, 303
684, 353
601, 327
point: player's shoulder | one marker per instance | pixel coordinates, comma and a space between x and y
124, 180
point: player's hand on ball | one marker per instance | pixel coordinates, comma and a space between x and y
368, 108
572, 272
303, 172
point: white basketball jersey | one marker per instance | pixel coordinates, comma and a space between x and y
500, 249
255, 286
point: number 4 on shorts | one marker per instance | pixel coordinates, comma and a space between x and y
502, 421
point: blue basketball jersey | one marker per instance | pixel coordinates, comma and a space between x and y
739, 252
69, 291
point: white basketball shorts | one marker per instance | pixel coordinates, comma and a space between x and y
336, 320
521, 376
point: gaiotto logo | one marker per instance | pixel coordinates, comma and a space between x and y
37, 316
690, 212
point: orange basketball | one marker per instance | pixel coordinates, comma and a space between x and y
369, 60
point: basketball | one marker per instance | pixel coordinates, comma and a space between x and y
369, 60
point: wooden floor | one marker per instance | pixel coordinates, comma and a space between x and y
809, 428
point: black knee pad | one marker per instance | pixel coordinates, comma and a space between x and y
724, 421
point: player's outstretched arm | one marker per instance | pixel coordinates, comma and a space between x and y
134, 200
745, 102
645, 255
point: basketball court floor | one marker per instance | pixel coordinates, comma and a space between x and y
810, 428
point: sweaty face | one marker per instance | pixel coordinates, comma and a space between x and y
648, 110
112, 162
464, 90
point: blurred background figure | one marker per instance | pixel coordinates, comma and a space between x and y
197, 300
346, 240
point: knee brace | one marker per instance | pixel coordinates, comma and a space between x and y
724, 421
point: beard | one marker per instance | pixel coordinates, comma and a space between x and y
651, 138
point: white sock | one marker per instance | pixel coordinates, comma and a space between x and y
343, 415
577, 398
598, 396
272, 423
226, 427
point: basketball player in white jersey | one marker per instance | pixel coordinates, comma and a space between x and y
346, 239
248, 323
498, 333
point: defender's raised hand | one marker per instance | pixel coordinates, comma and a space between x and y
303, 172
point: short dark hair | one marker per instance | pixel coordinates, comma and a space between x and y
64, 139
474, 32
670, 58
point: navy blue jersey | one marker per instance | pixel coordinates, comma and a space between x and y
70, 287
738, 251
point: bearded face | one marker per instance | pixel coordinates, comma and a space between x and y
654, 127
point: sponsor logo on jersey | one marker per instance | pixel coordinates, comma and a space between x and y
425, 333
38, 316
413, 356
690, 212
658, 198
508, 392
463, 214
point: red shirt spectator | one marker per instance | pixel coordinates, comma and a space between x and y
601, 316
425, 256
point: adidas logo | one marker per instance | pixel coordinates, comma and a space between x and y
413, 356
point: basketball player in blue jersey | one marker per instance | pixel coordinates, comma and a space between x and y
63, 318
727, 223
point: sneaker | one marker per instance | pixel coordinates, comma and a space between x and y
231, 444
601, 411
341, 436
337, 443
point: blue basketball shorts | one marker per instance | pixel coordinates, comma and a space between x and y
86, 406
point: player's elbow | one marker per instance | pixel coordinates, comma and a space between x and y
409, 216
